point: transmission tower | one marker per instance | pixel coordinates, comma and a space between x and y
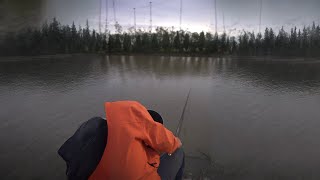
224, 27
106, 28
134, 19
180, 13
150, 28
215, 16
260, 16
100, 6
114, 12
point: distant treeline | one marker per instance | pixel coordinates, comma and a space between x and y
55, 38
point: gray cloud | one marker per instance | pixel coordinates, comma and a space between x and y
197, 15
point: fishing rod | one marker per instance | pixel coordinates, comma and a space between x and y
177, 134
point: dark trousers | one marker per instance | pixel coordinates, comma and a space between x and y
171, 167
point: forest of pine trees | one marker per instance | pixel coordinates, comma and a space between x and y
54, 38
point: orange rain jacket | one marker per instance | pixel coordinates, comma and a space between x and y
126, 156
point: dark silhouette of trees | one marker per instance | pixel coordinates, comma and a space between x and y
208, 42
54, 38
166, 41
201, 42
194, 42
138, 43
186, 42
215, 44
117, 43
177, 42
223, 44
127, 43
155, 47
233, 46
146, 42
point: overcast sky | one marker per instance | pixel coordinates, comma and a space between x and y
197, 15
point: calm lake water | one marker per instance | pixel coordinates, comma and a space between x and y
255, 119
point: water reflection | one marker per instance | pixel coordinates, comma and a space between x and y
253, 118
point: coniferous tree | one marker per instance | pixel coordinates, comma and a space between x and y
117, 43
215, 43
201, 42
86, 37
98, 44
317, 41
45, 38
244, 44
146, 44
186, 42
104, 42
176, 42
304, 41
227, 50
272, 41
293, 41
259, 45
233, 43
138, 43
155, 42
281, 42
111, 43
166, 41
93, 41
54, 36
208, 42
127, 43
223, 43
251, 44
312, 37
194, 42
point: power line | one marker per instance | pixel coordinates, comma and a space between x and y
160, 2
142, 7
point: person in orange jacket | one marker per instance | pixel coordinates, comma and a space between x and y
135, 140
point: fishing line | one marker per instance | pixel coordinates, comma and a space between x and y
182, 116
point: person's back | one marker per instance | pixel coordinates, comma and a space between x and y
131, 129
134, 137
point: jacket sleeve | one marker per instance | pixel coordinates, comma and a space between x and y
160, 138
